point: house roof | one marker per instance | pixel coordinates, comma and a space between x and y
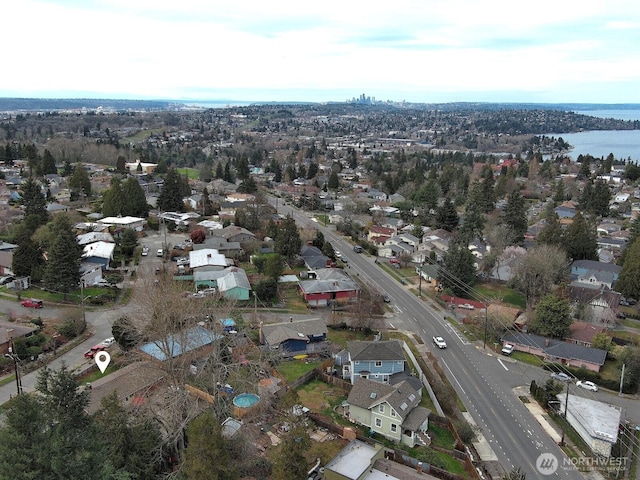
276, 333
329, 280
402, 397
558, 348
416, 417
385, 350
232, 231
99, 249
599, 419
13, 330
182, 342
234, 278
90, 237
584, 331
206, 257
595, 266
585, 293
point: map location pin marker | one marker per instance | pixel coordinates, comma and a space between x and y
102, 360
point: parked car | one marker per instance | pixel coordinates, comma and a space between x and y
507, 349
32, 303
159, 253
102, 283
107, 342
561, 377
6, 279
394, 260
145, 250
466, 306
439, 342
587, 385
93, 350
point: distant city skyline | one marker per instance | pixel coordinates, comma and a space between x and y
422, 51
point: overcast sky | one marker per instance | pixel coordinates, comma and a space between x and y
249, 50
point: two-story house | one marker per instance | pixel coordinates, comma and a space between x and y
375, 361
392, 410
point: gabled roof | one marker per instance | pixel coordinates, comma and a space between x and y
206, 257
595, 266
276, 333
385, 350
402, 397
177, 344
234, 278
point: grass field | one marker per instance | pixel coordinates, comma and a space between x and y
503, 294
295, 369
191, 173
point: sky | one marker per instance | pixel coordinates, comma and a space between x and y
430, 51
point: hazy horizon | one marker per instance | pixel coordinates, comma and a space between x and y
419, 51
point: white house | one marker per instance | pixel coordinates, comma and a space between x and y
135, 223
207, 257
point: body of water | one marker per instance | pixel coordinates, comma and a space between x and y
623, 144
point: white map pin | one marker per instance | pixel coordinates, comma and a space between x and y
102, 360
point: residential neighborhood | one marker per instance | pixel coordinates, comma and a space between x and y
315, 277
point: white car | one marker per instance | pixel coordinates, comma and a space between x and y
108, 342
145, 251
159, 253
439, 342
507, 349
466, 306
587, 385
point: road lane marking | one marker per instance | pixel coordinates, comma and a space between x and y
454, 377
503, 365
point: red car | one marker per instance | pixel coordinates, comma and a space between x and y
95, 349
32, 303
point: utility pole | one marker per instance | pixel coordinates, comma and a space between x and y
486, 324
566, 406
12, 355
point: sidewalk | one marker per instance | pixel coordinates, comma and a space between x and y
539, 414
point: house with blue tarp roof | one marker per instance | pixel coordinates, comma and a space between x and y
180, 343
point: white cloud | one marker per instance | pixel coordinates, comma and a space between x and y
418, 47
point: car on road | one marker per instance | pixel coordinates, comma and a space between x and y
107, 342
439, 342
32, 303
561, 377
386, 298
93, 350
587, 385
357, 248
466, 306
145, 250
159, 253
507, 349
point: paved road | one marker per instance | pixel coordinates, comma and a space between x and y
481, 380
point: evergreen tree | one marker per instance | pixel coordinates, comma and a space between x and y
473, 224
62, 270
24, 440
27, 258
162, 167
287, 241
128, 242
515, 216
553, 317
48, 163
580, 239
170, 198
219, 171
121, 164
459, 263
290, 462
80, 183
35, 205
628, 283
134, 200
133, 441
207, 205
207, 454
552, 233
601, 198
447, 216
112, 199
76, 447
334, 181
